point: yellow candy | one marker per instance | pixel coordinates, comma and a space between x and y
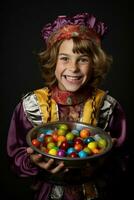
92, 145
61, 132
53, 152
50, 145
102, 143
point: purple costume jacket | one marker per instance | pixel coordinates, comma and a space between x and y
16, 144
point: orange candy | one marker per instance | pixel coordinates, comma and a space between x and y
85, 133
78, 147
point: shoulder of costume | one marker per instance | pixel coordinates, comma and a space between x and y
45, 90
110, 99
35, 105
106, 110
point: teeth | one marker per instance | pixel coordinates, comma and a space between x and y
72, 77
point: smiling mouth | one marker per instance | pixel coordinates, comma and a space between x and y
72, 78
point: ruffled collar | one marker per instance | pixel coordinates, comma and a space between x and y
71, 98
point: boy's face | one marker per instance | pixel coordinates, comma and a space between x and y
73, 70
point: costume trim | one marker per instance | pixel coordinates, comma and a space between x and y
48, 106
106, 111
31, 109
54, 111
39, 107
57, 192
91, 108
43, 102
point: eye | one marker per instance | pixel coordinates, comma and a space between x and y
64, 58
83, 60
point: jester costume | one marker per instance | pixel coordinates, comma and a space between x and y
89, 105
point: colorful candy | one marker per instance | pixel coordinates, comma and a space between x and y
64, 142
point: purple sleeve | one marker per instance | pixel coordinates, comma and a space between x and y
117, 125
16, 144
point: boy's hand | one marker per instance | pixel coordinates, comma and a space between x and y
114, 140
37, 159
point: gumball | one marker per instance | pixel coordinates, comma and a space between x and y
61, 138
36, 142
73, 155
47, 150
61, 132
55, 136
84, 133
64, 145
76, 132
48, 132
63, 127
42, 148
101, 143
48, 138
61, 153
70, 150
78, 140
82, 154
52, 152
88, 140
69, 136
40, 139
41, 135
87, 150
92, 145
95, 151
78, 147
55, 147
50, 145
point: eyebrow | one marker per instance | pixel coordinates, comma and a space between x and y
65, 54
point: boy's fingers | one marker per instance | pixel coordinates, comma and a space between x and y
36, 158
30, 150
58, 168
48, 164
114, 140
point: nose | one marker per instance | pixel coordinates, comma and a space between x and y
73, 66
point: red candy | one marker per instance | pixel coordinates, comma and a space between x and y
48, 138
73, 155
36, 143
64, 145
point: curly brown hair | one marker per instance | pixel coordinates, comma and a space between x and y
101, 62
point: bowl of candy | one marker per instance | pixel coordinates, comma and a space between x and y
74, 143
